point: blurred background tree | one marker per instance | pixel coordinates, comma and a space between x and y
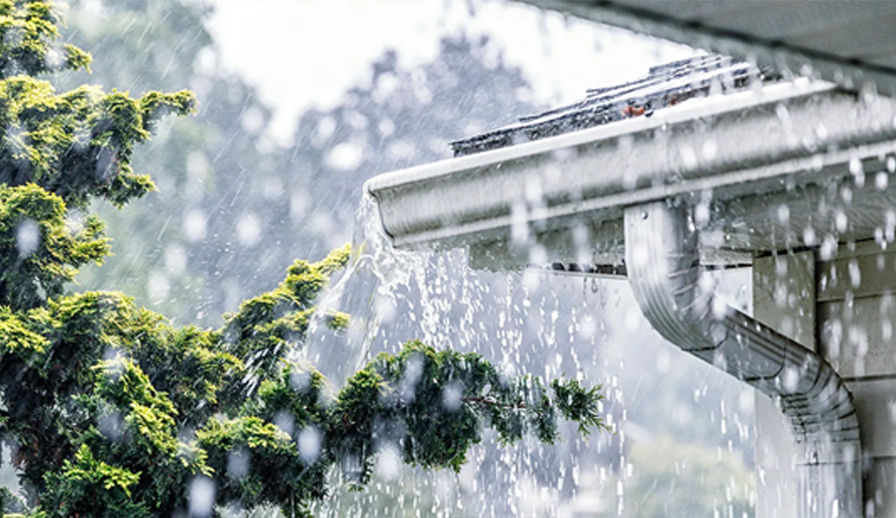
234, 208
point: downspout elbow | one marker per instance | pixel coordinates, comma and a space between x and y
664, 270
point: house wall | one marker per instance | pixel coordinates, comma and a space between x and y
845, 309
856, 305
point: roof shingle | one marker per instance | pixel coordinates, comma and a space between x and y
664, 85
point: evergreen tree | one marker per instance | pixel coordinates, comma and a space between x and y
113, 411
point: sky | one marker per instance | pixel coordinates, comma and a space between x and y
304, 53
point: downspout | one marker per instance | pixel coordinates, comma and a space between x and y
664, 271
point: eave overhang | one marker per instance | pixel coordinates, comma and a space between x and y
848, 43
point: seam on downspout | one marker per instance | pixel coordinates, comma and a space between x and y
662, 261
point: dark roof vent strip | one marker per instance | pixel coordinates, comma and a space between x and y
665, 85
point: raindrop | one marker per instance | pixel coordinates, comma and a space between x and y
855, 274
784, 116
519, 228
158, 286
202, 497
248, 230
299, 380
841, 221
846, 194
858, 338
309, 443
324, 130
238, 464
345, 156
709, 149
538, 254
689, 157
175, 259
889, 225
252, 120
285, 421
194, 225
388, 461
533, 190
110, 426
386, 127
719, 308
817, 162
828, 248
783, 213
857, 171
413, 373
790, 379
452, 396
27, 237
701, 214
809, 236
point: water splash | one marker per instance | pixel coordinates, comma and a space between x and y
366, 291
526, 322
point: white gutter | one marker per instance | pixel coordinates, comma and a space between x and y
597, 171
664, 271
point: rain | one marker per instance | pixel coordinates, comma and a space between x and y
510, 179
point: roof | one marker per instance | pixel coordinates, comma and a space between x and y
664, 86
775, 163
845, 42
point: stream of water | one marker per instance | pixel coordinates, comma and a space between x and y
531, 322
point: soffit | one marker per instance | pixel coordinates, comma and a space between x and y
850, 43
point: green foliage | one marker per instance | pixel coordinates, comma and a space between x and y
78, 144
82, 483
29, 37
95, 422
434, 404
113, 411
16, 338
266, 324
149, 415
245, 452
579, 404
39, 250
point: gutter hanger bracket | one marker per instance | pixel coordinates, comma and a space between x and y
664, 270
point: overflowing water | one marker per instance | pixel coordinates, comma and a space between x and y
533, 322
368, 291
